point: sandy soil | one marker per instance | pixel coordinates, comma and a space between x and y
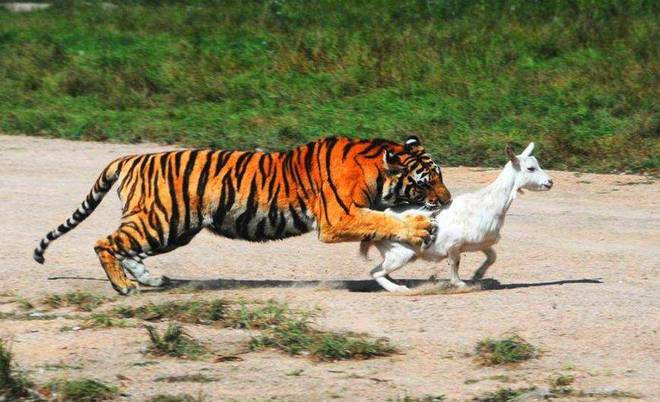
580, 264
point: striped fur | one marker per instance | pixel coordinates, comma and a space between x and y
333, 185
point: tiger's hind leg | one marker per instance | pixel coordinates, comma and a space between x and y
124, 250
130, 244
111, 251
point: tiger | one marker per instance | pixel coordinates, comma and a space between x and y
337, 186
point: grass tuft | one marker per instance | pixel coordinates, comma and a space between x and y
81, 390
24, 304
105, 320
513, 349
13, 384
562, 380
175, 342
424, 398
503, 395
194, 312
83, 301
293, 333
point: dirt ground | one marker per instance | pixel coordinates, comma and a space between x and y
579, 265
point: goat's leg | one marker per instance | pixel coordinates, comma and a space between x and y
454, 259
491, 256
390, 264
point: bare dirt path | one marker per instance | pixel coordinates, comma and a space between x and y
589, 227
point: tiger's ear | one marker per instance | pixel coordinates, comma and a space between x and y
413, 143
392, 163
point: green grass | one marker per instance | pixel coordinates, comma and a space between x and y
81, 390
503, 395
177, 398
194, 312
175, 342
580, 77
83, 301
105, 320
292, 332
562, 380
13, 384
513, 349
24, 304
425, 398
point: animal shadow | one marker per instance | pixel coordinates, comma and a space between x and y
359, 285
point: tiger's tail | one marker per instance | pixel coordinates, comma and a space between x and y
101, 187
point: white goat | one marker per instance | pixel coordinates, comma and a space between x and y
472, 222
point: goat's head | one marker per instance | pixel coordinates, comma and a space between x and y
530, 176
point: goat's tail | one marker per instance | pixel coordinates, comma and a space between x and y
365, 245
102, 185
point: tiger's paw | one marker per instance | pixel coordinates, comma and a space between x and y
420, 231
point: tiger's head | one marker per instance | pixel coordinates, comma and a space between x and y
411, 176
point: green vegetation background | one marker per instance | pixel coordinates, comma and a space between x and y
581, 77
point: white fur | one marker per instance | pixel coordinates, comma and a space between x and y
471, 223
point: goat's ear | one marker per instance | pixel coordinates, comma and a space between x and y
413, 143
392, 163
512, 156
528, 150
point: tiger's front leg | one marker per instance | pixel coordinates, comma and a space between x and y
367, 224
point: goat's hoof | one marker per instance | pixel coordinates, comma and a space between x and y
459, 284
398, 289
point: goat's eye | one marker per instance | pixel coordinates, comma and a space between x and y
531, 169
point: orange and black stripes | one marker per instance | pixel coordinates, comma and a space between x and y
168, 197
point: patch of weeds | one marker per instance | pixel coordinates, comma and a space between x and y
424, 398
177, 398
174, 342
271, 315
105, 320
197, 312
471, 381
562, 380
83, 301
292, 332
24, 304
503, 395
13, 384
187, 378
513, 349
295, 373
81, 390
341, 346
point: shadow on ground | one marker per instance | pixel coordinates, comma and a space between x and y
360, 285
